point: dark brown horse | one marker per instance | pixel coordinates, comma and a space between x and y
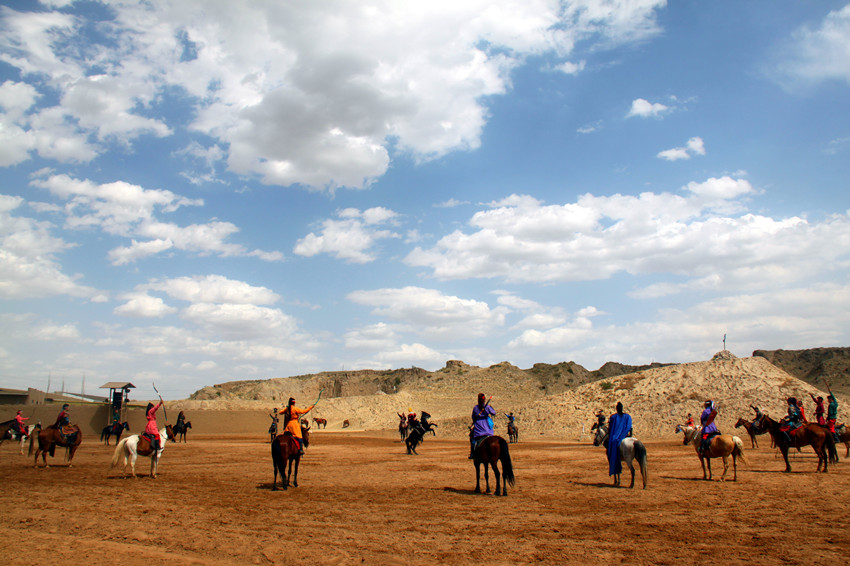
180, 431
513, 433
811, 434
285, 449
115, 429
49, 438
490, 452
402, 427
751, 430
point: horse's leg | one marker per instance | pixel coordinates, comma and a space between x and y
702, 463
708, 463
847, 446
735, 466
784, 450
477, 476
725, 467
487, 475
632, 470
295, 478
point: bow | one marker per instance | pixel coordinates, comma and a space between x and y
164, 411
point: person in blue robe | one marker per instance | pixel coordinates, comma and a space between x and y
619, 427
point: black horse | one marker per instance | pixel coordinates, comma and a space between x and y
418, 431
180, 431
116, 429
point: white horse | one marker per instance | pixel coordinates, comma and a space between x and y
722, 446
128, 446
630, 449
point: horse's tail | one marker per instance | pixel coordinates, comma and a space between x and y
640, 456
830, 447
278, 460
505, 458
119, 451
738, 452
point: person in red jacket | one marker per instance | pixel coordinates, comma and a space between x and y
22, 428
151, 429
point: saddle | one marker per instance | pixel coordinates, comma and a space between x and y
478, 442
145, 447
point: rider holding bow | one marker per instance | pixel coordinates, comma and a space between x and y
292, 421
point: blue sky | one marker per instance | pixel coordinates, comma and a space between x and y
195, 192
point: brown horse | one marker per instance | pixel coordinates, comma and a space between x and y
345, 423
49, 438
751, 430
320, 422
402, 427
285, 449
180, 431
811, 434
513, 433
721, 446
490, 452
844, 436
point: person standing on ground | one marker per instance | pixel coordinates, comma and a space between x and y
619, 427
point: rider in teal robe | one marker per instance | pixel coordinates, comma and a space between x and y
619, 427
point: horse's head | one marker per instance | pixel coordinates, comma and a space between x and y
169, 431
688, 433
601, 435
740, 423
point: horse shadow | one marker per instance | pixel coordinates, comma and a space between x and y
459, 491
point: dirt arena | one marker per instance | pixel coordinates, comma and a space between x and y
363, 501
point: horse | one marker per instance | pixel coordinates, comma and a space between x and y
320, 422
12, 433
630, 449
180, 431
843, 436
402, 427
116, 429
136, 445
345, 423
513, 433
810, 434
68, 436
721, 446
417, 433
751, 429
285, 449
491, 451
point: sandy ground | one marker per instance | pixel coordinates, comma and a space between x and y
362, 500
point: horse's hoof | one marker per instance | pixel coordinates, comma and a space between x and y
476, 490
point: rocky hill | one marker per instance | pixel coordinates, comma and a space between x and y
814, 366
549, 400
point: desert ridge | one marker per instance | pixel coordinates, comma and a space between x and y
658, 398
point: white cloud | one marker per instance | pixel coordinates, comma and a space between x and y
240, 321
28, 263
141, 305
432, 313
819, 53
570, 68
127, 210
352, 238
695, 146
312, 95
213, 289
646, 109
378, 337
597, 237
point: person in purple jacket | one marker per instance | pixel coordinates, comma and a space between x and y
482, 422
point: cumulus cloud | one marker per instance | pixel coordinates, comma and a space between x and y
429, 312
686, 236
818, 53
213, 289
643, 108
352, 237
29, 266
695, 146
311, 95
140, 305
127, 210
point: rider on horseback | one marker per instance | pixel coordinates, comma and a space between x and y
482, 423
64, 418
19, 421
792, 421
831, 412
151, 430
292, 423
709, 428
